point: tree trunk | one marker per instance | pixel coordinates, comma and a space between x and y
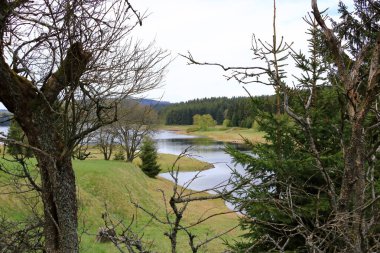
352, 195
58, 180
38, 114
60, 205
130, 156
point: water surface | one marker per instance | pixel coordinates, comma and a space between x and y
203, 149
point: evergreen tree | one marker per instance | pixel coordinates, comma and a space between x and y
148, 156
220, 108
287, 186
306, 192
16, 133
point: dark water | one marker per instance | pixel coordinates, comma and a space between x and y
203, 149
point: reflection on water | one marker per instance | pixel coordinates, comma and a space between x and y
4, 130
203, 149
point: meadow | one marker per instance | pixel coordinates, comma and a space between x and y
112, 186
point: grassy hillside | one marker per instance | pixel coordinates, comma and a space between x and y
114, 183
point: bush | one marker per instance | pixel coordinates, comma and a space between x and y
203, 121
226, 123
256, 126
17, 134
148, 156
119, 156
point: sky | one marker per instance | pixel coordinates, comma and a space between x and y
217, 31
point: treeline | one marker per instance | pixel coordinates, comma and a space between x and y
238, 111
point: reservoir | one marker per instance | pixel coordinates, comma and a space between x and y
203, 149
4, 130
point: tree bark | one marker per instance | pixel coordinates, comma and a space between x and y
58, 184
352, 195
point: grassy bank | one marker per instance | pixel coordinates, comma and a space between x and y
115, 183
220, 133
185, 164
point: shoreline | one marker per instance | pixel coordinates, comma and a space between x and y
219, 133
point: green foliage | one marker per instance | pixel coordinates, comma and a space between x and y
203, 121
197, 120
290, 190
226, 123
15, 133
255, 126
237, 109
119, 156
148, 156
284, 164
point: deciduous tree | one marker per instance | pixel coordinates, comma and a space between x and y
135, 122
203, 121
63, 67
105, 140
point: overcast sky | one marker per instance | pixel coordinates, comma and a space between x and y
217, 31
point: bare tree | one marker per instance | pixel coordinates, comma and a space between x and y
135, 122
176, 207
21, 236
20, 177
64, 65
81, 150
105, 140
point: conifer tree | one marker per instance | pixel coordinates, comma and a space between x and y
148, 156
16, 133
314, 185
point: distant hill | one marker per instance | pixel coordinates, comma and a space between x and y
5, 115
154, 103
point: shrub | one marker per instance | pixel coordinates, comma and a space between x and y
226, 123
119, 156
17, 134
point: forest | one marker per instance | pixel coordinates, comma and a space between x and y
237, 110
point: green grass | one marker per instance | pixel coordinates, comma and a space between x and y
114, 183
166, 162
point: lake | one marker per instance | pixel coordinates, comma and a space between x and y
203, 149
4, 130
